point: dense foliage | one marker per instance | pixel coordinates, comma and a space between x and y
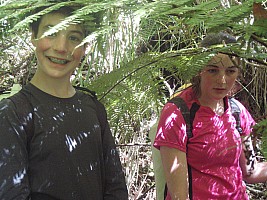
139, 54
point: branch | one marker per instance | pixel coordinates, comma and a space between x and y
127, 77
259, 40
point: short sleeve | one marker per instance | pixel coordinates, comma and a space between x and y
171, 130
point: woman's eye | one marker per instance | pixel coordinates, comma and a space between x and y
212, 70
231, 71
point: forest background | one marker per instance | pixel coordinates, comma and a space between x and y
141, 53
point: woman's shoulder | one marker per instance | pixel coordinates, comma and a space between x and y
187, 96
178, 104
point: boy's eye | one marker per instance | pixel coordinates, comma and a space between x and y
52, 35
75, 38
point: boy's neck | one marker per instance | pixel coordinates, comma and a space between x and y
55, 87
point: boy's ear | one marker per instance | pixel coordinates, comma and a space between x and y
84, 49
33, 39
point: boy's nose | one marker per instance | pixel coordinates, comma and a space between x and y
60, 44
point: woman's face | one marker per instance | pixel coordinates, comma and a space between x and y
218, 78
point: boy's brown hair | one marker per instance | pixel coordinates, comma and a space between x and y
88, 25
34, 26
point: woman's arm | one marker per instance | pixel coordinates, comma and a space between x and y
175, 169
253, 171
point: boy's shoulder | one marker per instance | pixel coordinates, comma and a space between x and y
86, 91
92, 95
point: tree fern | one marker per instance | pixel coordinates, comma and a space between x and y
261, 132
129, 81
28, 20
182, 15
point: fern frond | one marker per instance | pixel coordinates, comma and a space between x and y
80, 15
28, 20
20, 13
224, 18
187, 11
15, 5
261, 130
186, 63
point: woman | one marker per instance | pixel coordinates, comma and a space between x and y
215, 154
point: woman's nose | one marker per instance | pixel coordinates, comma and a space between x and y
221, 78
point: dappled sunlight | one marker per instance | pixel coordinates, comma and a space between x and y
216, 139
170, 122
220, 184
212, 153
67, 140
59, 116
72, 142
19, 177
175, 165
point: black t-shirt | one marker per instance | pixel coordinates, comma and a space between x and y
70, 155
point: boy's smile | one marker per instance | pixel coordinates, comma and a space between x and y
57, 53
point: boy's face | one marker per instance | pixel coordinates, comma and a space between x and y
56, 54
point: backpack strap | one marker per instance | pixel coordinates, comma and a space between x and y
181, 105
87, 91
194, 108
100, 110
236, 113
249, 151
188, 115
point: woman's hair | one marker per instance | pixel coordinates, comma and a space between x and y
217, 38
209, 40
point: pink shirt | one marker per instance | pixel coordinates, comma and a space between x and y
213, 151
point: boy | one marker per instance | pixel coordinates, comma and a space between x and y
71, 153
